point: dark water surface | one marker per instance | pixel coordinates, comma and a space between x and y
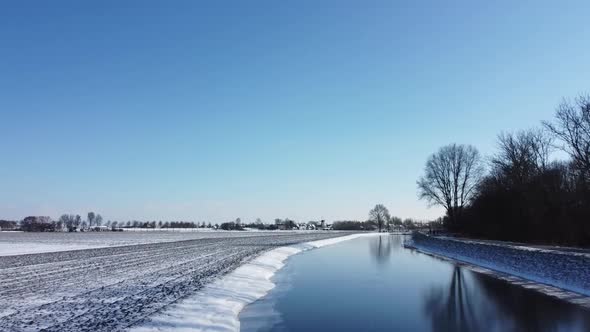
374, 284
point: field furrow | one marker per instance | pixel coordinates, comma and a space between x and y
110, 289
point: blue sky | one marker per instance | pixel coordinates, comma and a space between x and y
304, 109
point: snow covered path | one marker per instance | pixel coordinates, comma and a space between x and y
110, 289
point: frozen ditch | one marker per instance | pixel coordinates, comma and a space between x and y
217, 306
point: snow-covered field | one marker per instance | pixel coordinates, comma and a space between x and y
118, 285
19, 243
563, 269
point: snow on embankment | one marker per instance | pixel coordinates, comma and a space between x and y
217, 306
566, 270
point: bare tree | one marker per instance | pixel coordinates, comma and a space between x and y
91, 217
69, 221
450, 179
522, 155
98, 220
77, 221
394, 221
380, 215
572, 127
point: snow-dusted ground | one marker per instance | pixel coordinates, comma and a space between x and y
563, 269
19, 243
217, 306
113, 288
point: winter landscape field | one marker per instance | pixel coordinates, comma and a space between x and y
295, 166
123, 279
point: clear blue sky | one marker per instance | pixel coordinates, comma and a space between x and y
305, 109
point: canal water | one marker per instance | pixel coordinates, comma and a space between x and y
375, 284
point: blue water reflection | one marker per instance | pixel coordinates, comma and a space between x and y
374, 284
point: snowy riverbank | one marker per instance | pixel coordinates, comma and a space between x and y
565, 270
217, 306
113, 288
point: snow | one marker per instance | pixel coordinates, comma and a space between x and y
565, 270
9, 249
113, 288
21, 243
218, 305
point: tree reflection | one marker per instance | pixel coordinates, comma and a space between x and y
451, 308
382, 246
493, 305
525, 310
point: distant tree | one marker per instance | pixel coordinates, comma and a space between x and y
228, 226
69, 222
395, 221
572, 127
90, 219
37, 224
209, 225
8, 224
451, 177
98, 220
290, 224
379, 215
59, 225
77, 221
258, 221
409, 223
348, 225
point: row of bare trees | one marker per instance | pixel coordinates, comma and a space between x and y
71, 222
520, 193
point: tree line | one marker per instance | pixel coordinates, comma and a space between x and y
520, 193
66, 222
379, 219
94, 222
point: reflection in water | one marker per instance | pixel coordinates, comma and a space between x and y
525, 310
381, 247
489, 305
374, 284
451, 308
